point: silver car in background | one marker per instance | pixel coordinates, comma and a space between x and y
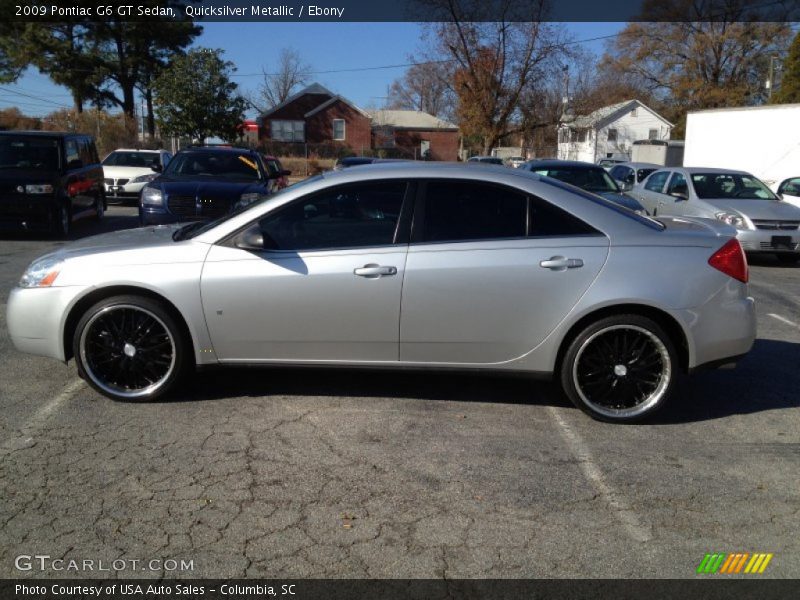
763, 222
401, 265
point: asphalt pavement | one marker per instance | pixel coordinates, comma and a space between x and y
314, 473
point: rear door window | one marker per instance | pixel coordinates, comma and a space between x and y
458, 211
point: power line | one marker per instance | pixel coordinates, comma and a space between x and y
36, 98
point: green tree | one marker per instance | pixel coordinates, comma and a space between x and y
101, 61
195, 97
789, 90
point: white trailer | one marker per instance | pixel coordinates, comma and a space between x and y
667, 153
762, 140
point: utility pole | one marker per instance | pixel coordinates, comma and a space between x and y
771, 79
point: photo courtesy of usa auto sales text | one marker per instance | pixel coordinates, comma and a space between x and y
135, 589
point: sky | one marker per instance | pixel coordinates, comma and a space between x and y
253, 47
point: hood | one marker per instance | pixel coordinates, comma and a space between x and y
622, 200
126, 172
206, 187
125, 239
758, 209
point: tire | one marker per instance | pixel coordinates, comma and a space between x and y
788, 259
108, 350
620, 369
62, 220
100, 207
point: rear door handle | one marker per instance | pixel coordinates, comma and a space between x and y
373, 271
561, 263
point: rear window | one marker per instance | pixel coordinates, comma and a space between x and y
29, 153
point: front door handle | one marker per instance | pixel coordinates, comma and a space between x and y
373, 271
561, 263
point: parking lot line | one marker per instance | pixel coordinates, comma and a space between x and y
783, 320
630, 521
72, 388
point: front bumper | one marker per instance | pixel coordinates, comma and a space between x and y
769, 240
36, 317
127, 191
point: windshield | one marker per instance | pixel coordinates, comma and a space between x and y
730, 186
591, 180
218, 165
29, 153
144, 160
191, 230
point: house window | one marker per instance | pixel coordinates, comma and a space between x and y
338, 129
578, 135
288, 131
612, 135
652, 134
634, 112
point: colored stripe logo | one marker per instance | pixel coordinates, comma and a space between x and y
733, 563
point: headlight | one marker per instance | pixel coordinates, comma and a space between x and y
247, 199
41, 273
152, 197
732, 220
144, 178
39, 188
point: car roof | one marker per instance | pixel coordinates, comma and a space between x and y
217, 149
552, 162
44, 134
642, 165
710, 170
137, 150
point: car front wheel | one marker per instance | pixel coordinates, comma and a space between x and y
130, 348
620, 368
62, 219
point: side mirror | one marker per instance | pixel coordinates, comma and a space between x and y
626, 186
157, 168
251, 239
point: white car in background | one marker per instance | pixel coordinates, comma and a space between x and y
127, 170
789, 191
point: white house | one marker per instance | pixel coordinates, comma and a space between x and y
609, 132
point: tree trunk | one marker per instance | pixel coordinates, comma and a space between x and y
151, 121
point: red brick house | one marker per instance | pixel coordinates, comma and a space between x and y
414, 134
316, 115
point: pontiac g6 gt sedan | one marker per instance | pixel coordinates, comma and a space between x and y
402, 265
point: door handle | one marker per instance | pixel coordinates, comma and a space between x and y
373, 271
561, 263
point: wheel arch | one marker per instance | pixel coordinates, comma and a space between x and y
667, 322
95, 296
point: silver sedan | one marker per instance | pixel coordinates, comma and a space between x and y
402, 265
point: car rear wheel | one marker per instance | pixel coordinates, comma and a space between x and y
130, 348
100, 207
620, 368
62, 220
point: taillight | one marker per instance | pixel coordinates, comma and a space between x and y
730, 259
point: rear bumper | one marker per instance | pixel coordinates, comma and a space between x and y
27, 214
722, 330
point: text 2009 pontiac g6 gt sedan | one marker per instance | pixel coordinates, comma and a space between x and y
402, 265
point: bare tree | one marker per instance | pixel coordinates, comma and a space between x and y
424, 87
280, 82
494, 64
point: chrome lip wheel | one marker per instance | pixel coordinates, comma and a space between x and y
128, 351
622, 371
